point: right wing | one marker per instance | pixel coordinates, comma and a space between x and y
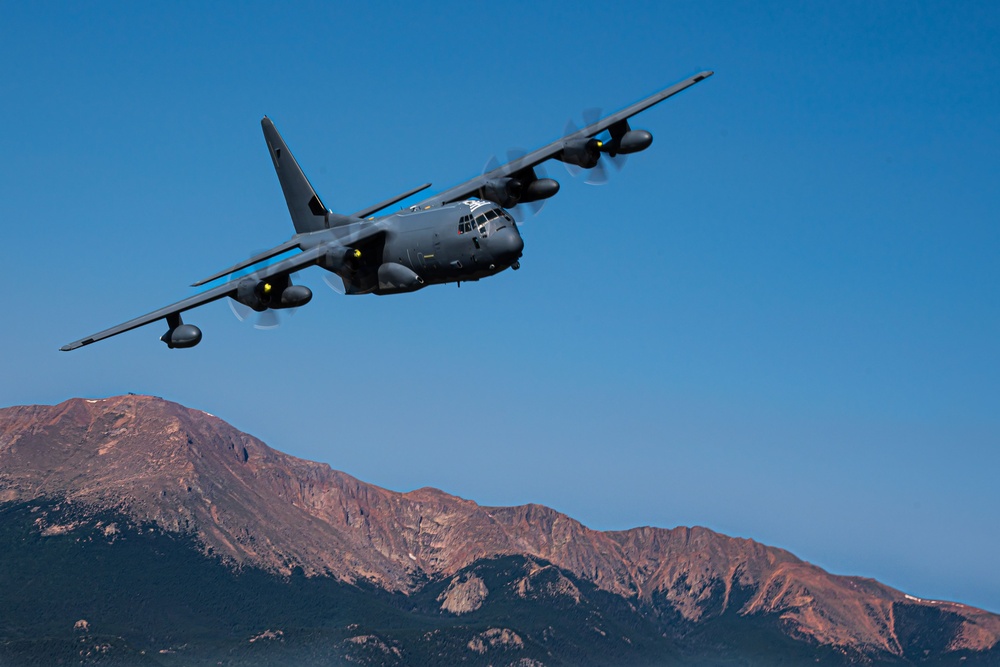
299, 261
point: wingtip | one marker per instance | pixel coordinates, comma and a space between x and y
69, 347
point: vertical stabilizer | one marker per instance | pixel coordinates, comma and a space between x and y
307, 210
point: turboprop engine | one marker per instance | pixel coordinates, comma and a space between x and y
504, 191
277, 292
509, 192
587, 152
582, 152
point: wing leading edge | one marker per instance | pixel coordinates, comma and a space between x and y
473, 186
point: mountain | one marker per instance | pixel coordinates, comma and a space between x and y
100, 486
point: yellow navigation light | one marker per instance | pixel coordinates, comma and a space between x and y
600, 143
267, 288
357, 253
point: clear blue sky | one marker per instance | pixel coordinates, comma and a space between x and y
781, 322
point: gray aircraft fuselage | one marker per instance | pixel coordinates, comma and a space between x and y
457, 242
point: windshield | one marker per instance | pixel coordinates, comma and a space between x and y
492, 220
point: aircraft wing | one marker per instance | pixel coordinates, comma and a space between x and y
472, 187
294, 263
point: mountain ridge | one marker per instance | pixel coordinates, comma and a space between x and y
192, 473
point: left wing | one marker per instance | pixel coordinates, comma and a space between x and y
300, 261
562, 148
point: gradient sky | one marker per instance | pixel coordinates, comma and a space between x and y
780, 322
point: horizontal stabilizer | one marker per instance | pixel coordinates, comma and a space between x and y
267, 254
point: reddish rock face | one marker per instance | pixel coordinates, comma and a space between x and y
189, 471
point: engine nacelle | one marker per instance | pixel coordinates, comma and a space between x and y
277, 292
183, 335
635, 141
542, 188
582, 152
294, 296
394, 278
254, 293
338, 258
503, 191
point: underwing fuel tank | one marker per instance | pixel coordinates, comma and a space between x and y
183, 335
395, 278
180, 334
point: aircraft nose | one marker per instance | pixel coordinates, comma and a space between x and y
506, 245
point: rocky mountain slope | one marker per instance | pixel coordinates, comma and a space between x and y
191, 474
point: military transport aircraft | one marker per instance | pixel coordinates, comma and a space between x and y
464, 233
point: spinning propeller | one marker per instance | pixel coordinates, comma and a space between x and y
264, 289
267, 319
509, 192
598, 174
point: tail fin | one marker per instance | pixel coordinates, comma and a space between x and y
307, 210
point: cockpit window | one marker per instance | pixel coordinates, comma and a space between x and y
465, 224
481, 222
